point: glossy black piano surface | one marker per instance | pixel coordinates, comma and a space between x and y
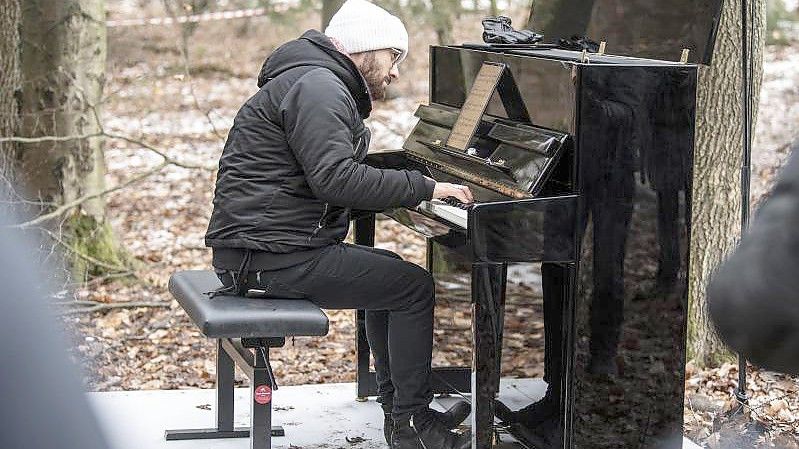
595, 192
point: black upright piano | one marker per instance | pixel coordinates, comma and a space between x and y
582, 166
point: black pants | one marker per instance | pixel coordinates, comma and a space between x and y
398, 297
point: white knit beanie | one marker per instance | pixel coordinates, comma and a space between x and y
362, 26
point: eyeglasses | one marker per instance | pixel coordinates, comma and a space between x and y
397, 54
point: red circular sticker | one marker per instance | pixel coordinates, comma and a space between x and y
263, 394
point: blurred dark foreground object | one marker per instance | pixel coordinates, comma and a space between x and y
754, 296
498, 30
42, 404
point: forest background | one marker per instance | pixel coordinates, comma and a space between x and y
170, 89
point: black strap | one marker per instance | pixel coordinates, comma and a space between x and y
239, 285
269, 373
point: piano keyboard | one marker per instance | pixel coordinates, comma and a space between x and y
452, 214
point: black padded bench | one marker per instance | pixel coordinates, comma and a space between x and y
245, 329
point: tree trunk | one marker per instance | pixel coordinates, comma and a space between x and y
717, 180
178, 8
9, 83
329, 8
442, 14
63, 64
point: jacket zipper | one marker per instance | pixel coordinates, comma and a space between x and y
347, 213
358, 147
320, 224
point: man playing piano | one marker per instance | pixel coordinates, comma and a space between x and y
289, 177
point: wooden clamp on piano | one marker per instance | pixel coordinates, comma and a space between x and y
583, 166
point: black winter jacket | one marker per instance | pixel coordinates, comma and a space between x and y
292, 167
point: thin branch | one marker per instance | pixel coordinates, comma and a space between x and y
184, 51
100, 279
93, 306
43, 139
103, 133
108, 135
206, 112
78, 201
168, 159
82, 255
76, 302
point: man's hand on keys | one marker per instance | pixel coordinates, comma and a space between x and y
445, 189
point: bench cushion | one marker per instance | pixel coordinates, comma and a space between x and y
239, 317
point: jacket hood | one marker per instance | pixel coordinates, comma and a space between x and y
315, 49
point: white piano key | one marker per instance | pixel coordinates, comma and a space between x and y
452, 214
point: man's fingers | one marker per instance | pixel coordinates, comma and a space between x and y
469, 195
461, 196
462, 193
465, 195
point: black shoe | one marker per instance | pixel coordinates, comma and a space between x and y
454, 416
530, 416
545, 434
451, 419
426, 433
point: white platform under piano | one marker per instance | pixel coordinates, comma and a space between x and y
314, 417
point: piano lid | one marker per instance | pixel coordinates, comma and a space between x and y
655, 29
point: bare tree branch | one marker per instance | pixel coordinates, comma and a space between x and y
78, 201
168, 159
162, 153
100, 279
50, 138
184, 51
82, 255
94, 306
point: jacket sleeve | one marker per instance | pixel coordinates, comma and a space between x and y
317, 114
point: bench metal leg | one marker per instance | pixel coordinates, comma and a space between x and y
260, 411
213, 434
261, 401
225, 372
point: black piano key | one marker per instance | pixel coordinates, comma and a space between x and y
452, 201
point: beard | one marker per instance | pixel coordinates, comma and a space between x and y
376, 81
